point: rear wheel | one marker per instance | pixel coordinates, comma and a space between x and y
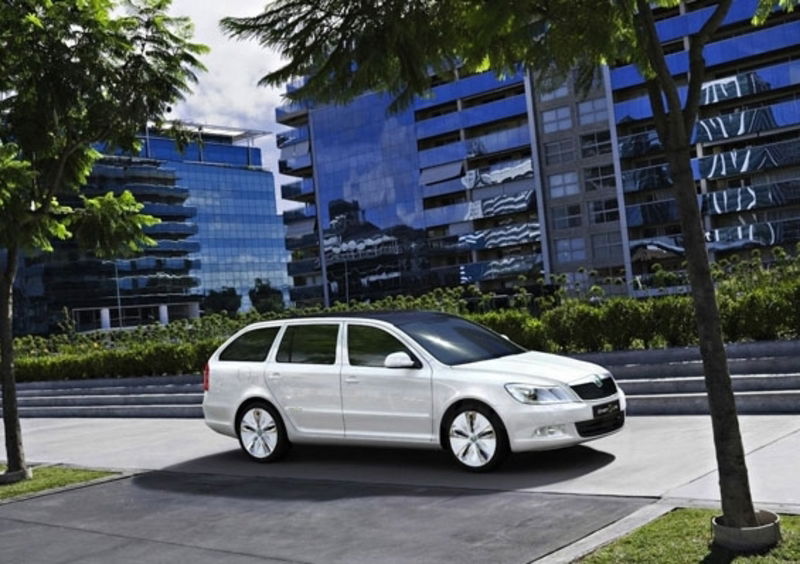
261, 432
476, 437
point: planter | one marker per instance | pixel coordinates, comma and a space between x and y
14, 477
749, 539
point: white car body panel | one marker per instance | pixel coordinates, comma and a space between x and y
340, 403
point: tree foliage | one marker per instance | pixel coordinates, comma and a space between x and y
224, 300
342, 48
265, 298
75, 75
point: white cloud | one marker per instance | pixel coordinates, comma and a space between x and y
228, 93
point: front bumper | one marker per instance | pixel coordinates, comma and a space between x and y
536, 427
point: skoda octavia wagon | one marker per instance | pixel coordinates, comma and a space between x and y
403, 378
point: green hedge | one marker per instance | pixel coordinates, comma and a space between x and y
759, 311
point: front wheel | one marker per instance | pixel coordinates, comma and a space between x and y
476, 438
262, 434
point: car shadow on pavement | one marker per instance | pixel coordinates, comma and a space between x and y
369, 471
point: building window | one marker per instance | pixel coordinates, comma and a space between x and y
606, 246
559, 92
565, 217
595, 144
599, 178
603, 211
556, 120
558, 152
565, 184
592, 111
570, 250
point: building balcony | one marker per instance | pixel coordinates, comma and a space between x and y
174, 228
291, 113
748, 122
491, 207
508, 267
639, 144
303, 267
652, 213
308, 211
299, 191
296, 166
169, 210
309, 240
175, 247
647, 178
470, 117
749, 160
306, 293
748, 198
292, 137
466, 87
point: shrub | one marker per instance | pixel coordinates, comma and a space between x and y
518, 326
575, 326
625, 320
673, 320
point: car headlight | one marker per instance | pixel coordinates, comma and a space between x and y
537, 395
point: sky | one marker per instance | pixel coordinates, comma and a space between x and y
228, 93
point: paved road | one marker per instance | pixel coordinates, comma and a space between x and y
198, 499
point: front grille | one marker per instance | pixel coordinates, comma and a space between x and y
591, 391
601, 425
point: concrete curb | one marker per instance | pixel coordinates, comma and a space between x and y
607, 535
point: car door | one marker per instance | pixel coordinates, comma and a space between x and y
304, 377
379, 402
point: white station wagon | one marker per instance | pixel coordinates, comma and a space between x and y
403, 378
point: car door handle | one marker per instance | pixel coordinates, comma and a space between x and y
351, 380
274, 376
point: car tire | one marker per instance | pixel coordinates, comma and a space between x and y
475, 437
261, 432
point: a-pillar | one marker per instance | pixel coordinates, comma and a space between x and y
163, 314
105, 318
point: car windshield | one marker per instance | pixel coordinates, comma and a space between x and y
452, 340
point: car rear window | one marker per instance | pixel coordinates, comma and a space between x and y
252, 346
309, 344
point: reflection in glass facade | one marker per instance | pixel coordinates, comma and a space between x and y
155, 285
239, 232
747, 159
440, 194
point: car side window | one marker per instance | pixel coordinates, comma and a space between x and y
252, 346
308, 344
369, 346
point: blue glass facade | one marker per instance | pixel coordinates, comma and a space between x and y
439, 194
239, 235
747, 153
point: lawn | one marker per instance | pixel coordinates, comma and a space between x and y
47, 478
684, 535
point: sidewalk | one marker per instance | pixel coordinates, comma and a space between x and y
655, 463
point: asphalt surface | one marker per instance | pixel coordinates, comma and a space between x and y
178, 517
194, 497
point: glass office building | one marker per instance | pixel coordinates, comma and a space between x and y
156, 285
746, 159
490, 179
219, 229
240, 234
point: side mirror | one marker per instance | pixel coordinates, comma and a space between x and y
399, 360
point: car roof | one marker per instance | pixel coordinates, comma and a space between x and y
393, 317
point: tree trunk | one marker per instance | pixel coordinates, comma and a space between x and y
17, 468
737, 504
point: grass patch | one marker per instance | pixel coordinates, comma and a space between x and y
48, 478
684, 535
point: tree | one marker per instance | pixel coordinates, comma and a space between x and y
75, 75
225, 300
345, 48
265, 298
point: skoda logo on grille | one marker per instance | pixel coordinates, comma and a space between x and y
598, 381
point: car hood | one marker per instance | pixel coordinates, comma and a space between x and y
536, 367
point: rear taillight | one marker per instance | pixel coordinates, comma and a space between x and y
206, 377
